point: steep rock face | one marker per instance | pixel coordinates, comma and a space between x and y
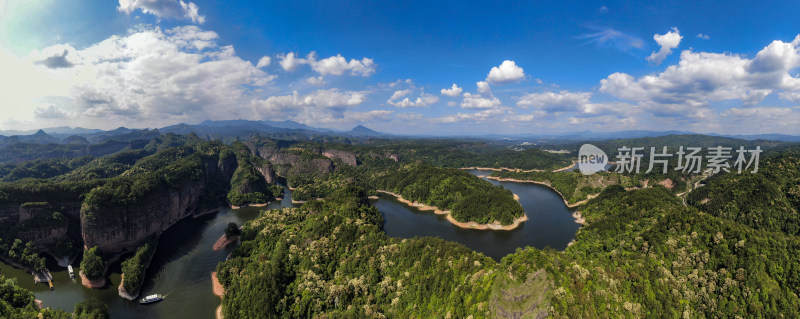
348, 158
27, 212
256, 185
281, 158
42, 237
122, 229
15, 213
225, 167
314, 166
71, 209
263, 151
9, 214
268, 172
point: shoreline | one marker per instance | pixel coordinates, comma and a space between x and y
223, 242
251, 205
579, 219
518, 170
38, 277
89, 283
449, 217
576, 204
303, 201
219, 291
574, 163
124, 293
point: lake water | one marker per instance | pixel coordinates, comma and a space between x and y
550, 222
184, 260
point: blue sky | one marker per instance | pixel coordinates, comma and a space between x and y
526, 67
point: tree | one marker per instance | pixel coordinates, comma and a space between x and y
92, 264
91, 308
232, 230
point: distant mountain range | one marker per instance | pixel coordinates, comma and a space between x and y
297, 131
589, 136
206, 129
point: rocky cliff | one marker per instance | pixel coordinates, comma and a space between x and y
268, 172
117, 230
283, 158
17, 213
43, 237
348, 158
313, 166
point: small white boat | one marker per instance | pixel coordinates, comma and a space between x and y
71, 272
151, 299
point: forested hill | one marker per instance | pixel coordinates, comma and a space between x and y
461, 154
61, 205
331, 259
768, 200
643, 253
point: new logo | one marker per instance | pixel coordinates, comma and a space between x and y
591, 159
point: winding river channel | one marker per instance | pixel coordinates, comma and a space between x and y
184, 259
550, 222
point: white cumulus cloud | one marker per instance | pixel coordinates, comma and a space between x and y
483, 87
147, 76
701, 78
264, 61
555, 101
423, 100
320, 104
476, 101
478, 116
399, 94
453, 91
334, 65
290, 62
316, 80
169, 9
508, 71
337, 65
667, 41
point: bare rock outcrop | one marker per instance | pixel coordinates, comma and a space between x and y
268, 172
42, 237
122, 229
283, 158
314, 166
347, 157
